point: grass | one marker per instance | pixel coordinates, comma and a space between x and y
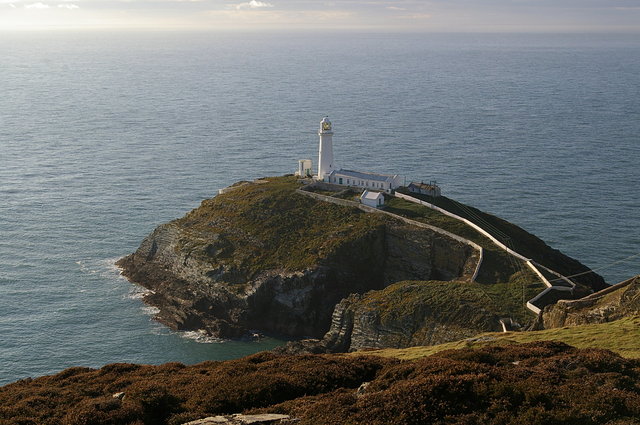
516, 238
497, 265
471, 301
268, 226
621, 336
271, 227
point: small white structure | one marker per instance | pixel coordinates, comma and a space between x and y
325, 155
372, 199
386, 182
304, 168
431, 189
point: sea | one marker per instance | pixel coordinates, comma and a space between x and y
104, 136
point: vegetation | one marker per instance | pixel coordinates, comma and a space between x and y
514, 237
621, 336
498, 266
270, 227
540, 383
468, 302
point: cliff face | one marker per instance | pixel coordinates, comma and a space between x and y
611, 304
263, 257
407, 314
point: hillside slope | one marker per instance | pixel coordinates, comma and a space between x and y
541, 383
621, 336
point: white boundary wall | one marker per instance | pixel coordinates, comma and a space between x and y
480, 230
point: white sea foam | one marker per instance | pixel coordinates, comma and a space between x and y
137, 292
150, 310
201, 336
110, 269
104, 267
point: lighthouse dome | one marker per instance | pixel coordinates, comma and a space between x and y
325, 125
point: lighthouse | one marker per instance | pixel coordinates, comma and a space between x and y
325, 156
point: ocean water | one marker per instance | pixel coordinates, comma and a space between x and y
103, 136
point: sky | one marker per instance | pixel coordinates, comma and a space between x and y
367, 15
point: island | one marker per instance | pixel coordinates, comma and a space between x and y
301, 259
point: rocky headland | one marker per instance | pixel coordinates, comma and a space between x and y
261, 256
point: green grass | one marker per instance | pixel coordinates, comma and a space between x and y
497, 266
516, 238
621, 336
270, 226
472, 300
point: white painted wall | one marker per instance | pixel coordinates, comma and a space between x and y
325, 153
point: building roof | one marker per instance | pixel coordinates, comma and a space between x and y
423, 185
366, 176
369, 194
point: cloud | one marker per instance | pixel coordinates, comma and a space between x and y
253, 4
69, 6
395, 8
36, 6
417, 16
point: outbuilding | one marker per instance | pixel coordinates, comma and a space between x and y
431, 189
372, 199
385, 182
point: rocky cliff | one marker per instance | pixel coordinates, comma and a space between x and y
263, 257
616, 302
410, 313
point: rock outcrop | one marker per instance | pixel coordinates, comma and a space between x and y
402, 315
611, 304
238, 419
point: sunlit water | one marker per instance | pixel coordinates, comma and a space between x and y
105, 136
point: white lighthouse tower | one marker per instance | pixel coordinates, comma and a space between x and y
325, 157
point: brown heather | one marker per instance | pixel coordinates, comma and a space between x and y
536, 383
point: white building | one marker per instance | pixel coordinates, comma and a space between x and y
304, 168
372, 199
328, 172
386, 182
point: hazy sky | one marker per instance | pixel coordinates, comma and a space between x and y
390, 15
